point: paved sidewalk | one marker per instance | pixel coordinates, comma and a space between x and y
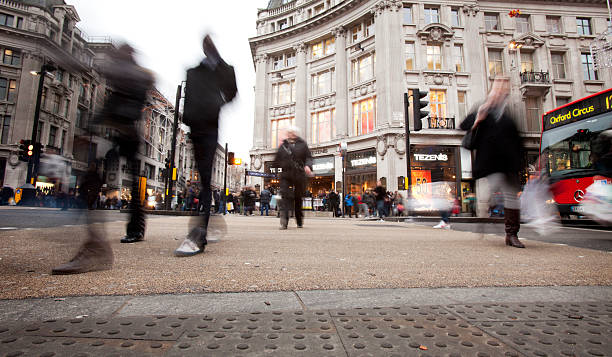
520, 321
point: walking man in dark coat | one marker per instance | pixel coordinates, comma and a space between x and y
210, 85
295, 160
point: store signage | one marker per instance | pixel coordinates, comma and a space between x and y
259, 174
318, 151
365, 161
431, 157
323, 165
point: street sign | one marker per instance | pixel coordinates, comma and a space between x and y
260, 174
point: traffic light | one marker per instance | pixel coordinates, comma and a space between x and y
417, 104
30, 150
401, 184
237, 161
23, 150
36, 149
230, 158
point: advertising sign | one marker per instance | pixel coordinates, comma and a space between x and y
580, 110
323, 166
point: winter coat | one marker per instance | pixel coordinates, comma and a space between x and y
206, 91
380, 193
348, 201
334, 199
265, 196
497, 143
249, 198
291, 158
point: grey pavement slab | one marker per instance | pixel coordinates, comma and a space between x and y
579, 293
520, 294
210, 303
57, 308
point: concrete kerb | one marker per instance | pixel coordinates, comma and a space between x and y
215, 303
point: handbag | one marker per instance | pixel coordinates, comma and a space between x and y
469, 139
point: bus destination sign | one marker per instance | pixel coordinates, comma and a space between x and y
584, 109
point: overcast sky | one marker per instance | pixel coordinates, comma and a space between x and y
168, 36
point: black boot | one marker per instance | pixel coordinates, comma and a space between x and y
513, 224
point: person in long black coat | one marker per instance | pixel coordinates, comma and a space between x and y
210, 85
295, 160
499, 154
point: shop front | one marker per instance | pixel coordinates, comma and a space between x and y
272, 182
434, 174
323, 169
361, 170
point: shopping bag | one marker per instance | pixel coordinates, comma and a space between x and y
230, 206
538, 210
597, 202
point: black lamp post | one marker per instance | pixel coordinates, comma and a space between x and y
33, 162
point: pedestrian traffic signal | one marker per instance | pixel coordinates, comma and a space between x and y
237, 161
23, 150
230, 158
417, 104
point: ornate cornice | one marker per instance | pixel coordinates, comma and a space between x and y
386, 5
471, 9
261, 58
436, 32
339, 31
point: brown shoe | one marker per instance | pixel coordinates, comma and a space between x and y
513, 224
94, 254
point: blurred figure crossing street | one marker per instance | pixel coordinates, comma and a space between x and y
210, 85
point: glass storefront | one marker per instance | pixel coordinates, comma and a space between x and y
361, 170
324, 171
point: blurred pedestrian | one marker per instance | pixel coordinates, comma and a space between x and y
381, 196
498, 156
210, 85
348, 204
334, 202
294, 157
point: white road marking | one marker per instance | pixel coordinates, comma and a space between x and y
8, 228
587, 229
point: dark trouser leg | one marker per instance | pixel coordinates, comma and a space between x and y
445, 216
300, 187
204, 152
136, 225
286, 194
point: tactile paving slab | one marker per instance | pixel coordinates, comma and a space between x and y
278, 322
554, 338
511, 312
258, 344
433, 334
405, 311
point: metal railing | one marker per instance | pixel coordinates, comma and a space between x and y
535, 77
441, 123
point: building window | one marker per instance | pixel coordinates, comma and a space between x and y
322, 83
584, 25
356, 33
363, 68
6, 125
8, 89
323, 48
63, 140
407, 14
149, 171
43, 100
462, 104
434, 57
364, 116
553, 24
319, 9
455, 17
437, 104
526, 62
19, 22
533, 114
496, 64
458, 58
52, 135
278, 63
369, 28
283, 93
561, 101
432, 15
492, 22
323, 126
6, 19
282, 24
66, 108
410, 56
587, 67
56, 103
11, 57
522, 24
290, 59
558, 64
78, 121
276, 127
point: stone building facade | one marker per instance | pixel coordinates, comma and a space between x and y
339, 70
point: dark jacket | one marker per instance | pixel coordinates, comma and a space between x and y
498, 145
380, 193
265, 196
249, 198
292, 158
334, 199
206, 91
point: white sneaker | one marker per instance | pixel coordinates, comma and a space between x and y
440, 225
187, 249
446, 226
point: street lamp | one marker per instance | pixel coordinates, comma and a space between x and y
33, 163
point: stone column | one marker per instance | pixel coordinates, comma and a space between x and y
342, 105
301, 95
390, 83
260, 129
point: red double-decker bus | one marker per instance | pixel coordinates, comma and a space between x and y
575, 149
